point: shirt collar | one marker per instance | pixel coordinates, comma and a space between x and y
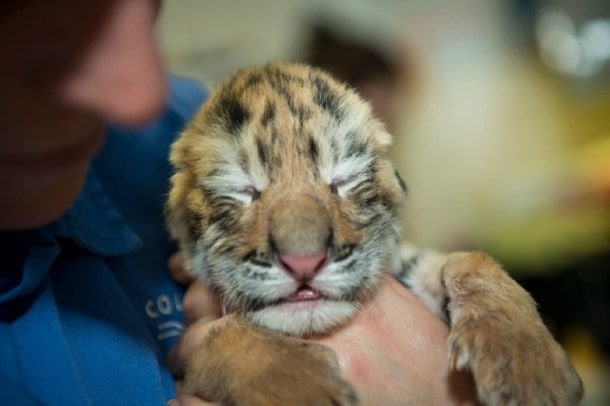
94, 224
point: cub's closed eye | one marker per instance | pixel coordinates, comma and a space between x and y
251, 192
341, 185
338, 183
240, 196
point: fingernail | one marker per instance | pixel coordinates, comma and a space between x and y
173, 402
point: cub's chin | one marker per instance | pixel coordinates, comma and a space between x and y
305, 317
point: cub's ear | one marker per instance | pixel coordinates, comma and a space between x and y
383, 141
382, 138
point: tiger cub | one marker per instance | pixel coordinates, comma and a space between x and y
285, 202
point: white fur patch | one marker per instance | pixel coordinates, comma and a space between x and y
303, 318
463, 358
424, 279
233, 183
348, 173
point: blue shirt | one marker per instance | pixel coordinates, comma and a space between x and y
87, 308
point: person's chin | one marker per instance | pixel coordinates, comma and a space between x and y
32, 201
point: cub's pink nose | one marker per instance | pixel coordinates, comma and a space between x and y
303, 267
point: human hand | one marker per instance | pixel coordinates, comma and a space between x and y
395, 352
199, 302
200, 309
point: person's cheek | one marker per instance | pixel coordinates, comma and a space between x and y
120, 76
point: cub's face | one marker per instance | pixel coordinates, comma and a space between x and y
284, 198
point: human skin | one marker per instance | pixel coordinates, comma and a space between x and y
394, 351
68, 66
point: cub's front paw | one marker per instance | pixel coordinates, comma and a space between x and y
240, 365
497, 334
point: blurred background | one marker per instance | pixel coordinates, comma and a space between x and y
501, 117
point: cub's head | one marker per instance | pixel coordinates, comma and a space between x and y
284, 198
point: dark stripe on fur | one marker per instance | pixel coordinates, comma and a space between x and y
253, 80
356, 149
257, 258
264, 155
232, 113
268, 115
326, 98
313, 150
402, 183
407, 266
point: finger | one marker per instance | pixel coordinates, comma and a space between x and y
200, 302
191, 339
178, 271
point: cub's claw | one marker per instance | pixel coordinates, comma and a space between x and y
497, 334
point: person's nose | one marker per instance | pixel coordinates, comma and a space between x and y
120, 76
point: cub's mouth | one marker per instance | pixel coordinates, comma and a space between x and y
304, 293
304, 296
311, 297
